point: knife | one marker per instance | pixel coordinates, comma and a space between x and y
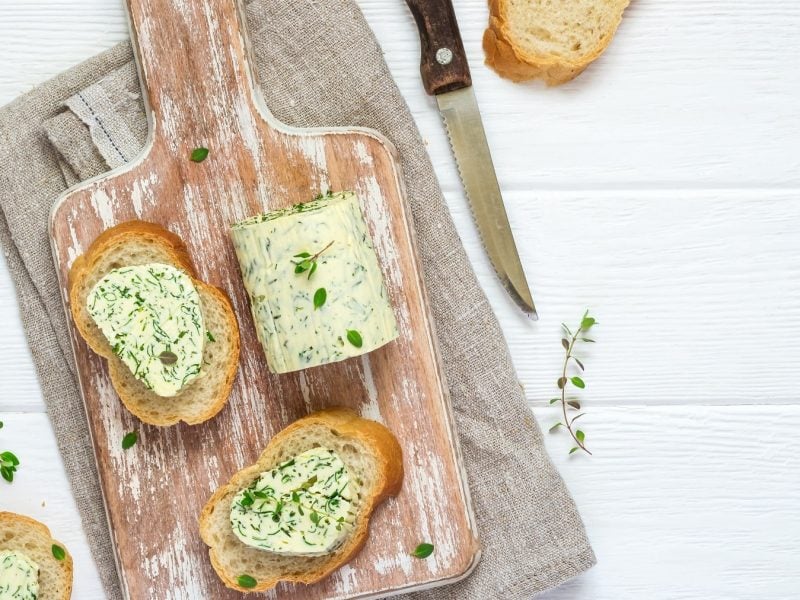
446, 76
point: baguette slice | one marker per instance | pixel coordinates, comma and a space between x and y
33, 539
369, 450
554, 40
136, 243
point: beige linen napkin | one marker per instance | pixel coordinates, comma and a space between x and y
319, 65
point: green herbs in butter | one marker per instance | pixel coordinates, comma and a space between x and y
312, 276
150, 314
303, 506
19, 576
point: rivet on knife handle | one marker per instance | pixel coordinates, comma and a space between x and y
443, 64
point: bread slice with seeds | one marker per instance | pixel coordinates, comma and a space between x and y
138, 243
32, 538
372, 456
553, 40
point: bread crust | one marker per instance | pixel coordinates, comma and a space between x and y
177, 255
349, 425
15, 520
514, 63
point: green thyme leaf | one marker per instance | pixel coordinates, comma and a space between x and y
354, 338
577, 382
246, 581
424, 550
587, 322
574, 404
1, 424
319, 297
199, 154
8, 465
587, 340
575, 449
555, 427
562, 381
554, 400
302, 255
58, 552
565, 343
578, 362
129, 440
580, 435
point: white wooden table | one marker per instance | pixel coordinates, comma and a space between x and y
662, 190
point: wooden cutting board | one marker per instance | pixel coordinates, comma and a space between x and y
194, 63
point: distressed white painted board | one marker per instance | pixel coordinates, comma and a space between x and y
691, 97
687, 503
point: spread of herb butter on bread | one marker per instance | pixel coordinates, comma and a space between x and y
171, 341
303, 509
33, 566
554, 40
316, 289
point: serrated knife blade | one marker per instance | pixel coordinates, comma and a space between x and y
445, 75
461, 115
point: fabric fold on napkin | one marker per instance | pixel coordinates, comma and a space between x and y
318, 64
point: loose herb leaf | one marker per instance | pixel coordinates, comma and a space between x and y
199, 155
246, 581
354, 338
8, 465
129, 440
210, 336
577, 382
1, 424
58, 552
424, 550
319, 297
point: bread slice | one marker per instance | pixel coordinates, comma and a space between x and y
136, 243
554, 40
370, 452
33, 539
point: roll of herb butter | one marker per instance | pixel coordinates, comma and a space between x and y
316, 290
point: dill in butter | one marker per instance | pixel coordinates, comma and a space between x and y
151, 316
19, 576
304, 506
312, 276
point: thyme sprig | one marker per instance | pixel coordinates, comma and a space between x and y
569, 342
308, 261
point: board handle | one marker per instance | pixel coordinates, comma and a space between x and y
194, 64
443, 63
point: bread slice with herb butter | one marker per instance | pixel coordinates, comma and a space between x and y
215, 336
352, 462
32, 563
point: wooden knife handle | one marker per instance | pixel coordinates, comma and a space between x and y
443, 65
